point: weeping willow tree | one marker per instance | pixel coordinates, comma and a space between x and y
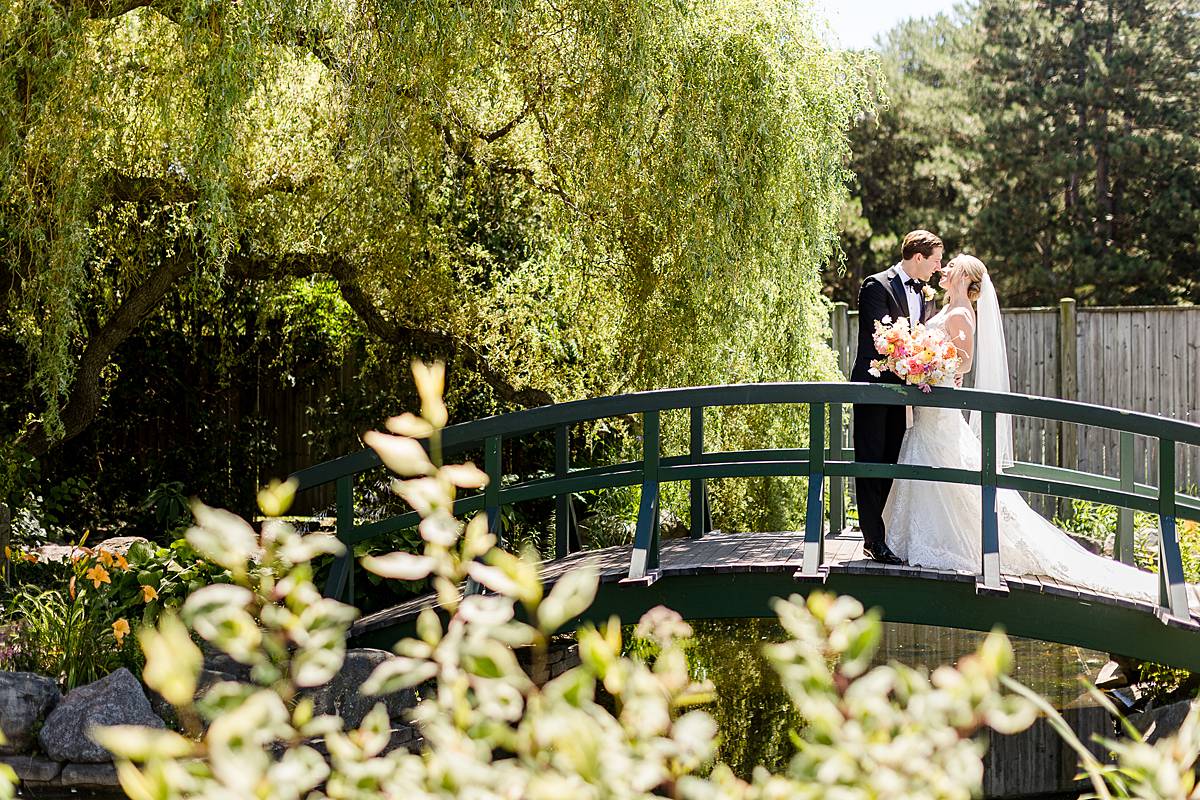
564, 198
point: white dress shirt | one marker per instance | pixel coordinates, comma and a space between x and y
914, 298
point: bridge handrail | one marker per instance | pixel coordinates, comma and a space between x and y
533, 420
817, 462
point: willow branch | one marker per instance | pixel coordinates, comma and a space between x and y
434, 342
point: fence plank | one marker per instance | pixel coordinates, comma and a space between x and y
1141, 359
1138, 378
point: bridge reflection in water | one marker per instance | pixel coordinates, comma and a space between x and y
1052, 670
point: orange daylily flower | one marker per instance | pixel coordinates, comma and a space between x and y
32, 558
148, 593
98, 575
120, 629
71, 587
105, 558
121, 562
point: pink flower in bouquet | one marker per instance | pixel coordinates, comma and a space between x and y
921, 356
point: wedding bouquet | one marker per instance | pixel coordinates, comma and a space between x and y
920, 356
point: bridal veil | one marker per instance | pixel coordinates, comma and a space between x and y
991, 367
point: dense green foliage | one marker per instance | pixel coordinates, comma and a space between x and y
68, 616
562, 199
1055, 139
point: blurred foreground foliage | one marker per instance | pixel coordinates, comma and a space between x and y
615, 726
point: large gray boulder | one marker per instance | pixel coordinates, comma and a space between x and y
116, 699
343, 696
1162, 721
25, 700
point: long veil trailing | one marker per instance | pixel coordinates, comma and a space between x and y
937, 525
991, 368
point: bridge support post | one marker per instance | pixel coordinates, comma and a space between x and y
837, 506
1172, 586
340, 583
701, 522
644, 559
493, 466
566, 532
1123, 546
814, 515
990, 530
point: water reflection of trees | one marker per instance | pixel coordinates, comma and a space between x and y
755, 716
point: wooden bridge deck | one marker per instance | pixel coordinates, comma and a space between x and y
779, 553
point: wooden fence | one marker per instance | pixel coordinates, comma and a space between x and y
1139, 358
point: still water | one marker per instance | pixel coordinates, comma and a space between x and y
755, 715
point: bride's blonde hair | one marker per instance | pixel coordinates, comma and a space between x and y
974, 269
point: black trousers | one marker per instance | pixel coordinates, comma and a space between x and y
878, 434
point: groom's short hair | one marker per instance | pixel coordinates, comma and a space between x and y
922, 242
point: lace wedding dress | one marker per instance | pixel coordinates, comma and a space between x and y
937, 525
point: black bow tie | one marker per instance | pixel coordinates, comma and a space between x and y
915, 284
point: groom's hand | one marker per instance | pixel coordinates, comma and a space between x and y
958, 380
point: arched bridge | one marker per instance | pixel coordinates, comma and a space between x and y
709, 574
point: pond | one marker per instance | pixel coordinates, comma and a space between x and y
755, 714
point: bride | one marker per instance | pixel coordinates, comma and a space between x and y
937, 525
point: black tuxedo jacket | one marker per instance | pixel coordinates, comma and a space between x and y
882, 295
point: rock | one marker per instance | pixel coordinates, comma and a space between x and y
1091, 545
1162, 721
90, 776
341, 695
119, 545
229, 669
33, 769
25, 700
58, 552
671, 526
116, 699
407, 737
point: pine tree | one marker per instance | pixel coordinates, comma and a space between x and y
1090, 156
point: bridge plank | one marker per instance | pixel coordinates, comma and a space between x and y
782, 552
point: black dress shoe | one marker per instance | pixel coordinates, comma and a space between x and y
882, 553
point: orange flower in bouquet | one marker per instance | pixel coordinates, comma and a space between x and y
918, 355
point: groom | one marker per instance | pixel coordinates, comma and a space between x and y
879, 430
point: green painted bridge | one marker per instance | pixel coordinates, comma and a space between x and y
710, 574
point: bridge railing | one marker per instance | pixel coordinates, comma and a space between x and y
821, 457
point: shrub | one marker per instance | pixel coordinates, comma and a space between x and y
70, 619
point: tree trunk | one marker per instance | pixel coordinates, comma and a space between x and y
84, 399
1104, 196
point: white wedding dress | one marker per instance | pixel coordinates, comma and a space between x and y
937, 525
